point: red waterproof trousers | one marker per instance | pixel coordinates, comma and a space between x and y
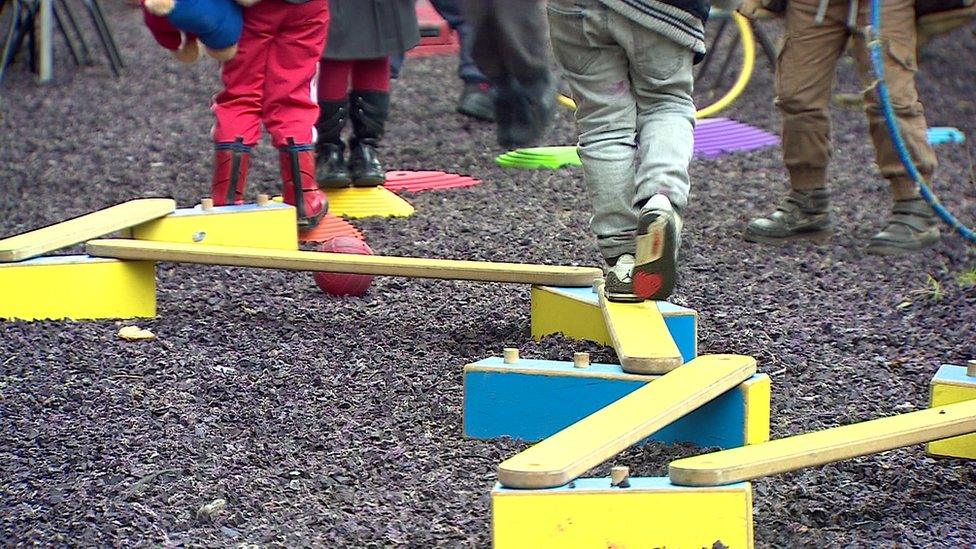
272, 78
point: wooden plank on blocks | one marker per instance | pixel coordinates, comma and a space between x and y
827, 446
479, 271
650, 512
950, 385
598, 437
531, 399
641, 338
77, 287
270, 225
77, 230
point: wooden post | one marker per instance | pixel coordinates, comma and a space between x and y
581, 360
597, 284
511, 355
620, 476
206, 204
263, 199
971, 368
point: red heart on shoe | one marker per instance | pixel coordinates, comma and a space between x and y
646, 285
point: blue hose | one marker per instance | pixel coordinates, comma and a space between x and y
877, 61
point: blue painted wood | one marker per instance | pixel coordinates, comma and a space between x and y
681, 321
636, 483
534, 399
953, 374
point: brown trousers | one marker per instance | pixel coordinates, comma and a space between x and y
804, 82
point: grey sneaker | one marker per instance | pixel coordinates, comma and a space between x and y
801, 215
658, 241
618, 285
912, 227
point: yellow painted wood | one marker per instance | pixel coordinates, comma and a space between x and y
553, 313
622, 518
80, 229
639, 335
599, 436
345, 263
353, 202
271, 226
77, 287
942, 394
821, 447
757, 393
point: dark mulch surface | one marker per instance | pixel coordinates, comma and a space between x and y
336, 422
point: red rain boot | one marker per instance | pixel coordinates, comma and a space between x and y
231, 161
300, 159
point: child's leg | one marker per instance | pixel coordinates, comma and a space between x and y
661, 78
369, 100
596, 68
607, 115
237, 108
334, 75
290, 106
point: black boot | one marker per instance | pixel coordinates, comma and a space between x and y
330, 163
369, 112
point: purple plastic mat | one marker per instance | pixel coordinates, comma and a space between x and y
717, 136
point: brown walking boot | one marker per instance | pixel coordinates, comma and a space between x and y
802, 214
912, 227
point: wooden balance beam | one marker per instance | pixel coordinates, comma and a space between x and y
93, 225
640, 337
827, 446
598, 437
479, 271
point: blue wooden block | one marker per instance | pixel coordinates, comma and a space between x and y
533, 399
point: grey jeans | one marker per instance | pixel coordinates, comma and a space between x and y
632, 88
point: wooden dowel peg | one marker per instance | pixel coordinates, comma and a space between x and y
620, 476
581, 360
206, 204
263, 199
971, 368
511, 355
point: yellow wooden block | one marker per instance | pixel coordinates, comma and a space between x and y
640, 337
949, 386
80, 229
353, 202
77, 287
757, 392
827, 446
480, 271
576, 317
249, 225
651, 512
576, 313
601, 435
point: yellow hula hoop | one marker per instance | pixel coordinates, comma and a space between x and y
748, 42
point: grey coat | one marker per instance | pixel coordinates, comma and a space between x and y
367, 29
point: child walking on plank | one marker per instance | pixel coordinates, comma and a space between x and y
629, 66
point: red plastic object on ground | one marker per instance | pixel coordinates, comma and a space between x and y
331, 227
436, 36
341, 283
404, 181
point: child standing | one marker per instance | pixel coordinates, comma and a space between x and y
272, 80
629, 66
355, 83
